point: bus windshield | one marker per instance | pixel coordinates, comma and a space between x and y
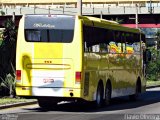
49, 29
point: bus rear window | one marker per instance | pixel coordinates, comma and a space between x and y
49, 29
41, 35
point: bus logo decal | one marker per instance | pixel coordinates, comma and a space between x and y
41, 25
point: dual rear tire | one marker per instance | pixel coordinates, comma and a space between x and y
135, 96
99, 96
100, 93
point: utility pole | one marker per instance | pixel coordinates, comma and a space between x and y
79, 7
101, 16
13, 20
13, 17
150, 7
136, 17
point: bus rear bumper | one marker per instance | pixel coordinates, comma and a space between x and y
48, 92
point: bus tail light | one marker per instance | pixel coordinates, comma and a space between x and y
18, 75
78, 77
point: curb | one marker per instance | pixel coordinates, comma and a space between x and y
17, 104
154, 86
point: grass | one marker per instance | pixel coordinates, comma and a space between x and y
7, 100
153, 83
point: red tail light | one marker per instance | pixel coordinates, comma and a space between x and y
78, 77
18, 75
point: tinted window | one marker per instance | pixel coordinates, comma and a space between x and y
110, 41
41, 28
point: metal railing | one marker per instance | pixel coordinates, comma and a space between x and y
85, 11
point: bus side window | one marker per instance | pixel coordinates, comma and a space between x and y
85, 46
91, 39
86, 38
32, 35
95, 48
123, 42
104, 48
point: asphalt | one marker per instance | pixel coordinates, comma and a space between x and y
35, 102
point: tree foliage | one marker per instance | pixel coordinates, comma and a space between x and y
8, 50
158, 38
2, 13
153, 67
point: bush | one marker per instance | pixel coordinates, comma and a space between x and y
10, 83
153, 67
7, 58
8, 49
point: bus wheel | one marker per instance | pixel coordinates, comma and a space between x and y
99, 96
47, 104
107, 94
135, 96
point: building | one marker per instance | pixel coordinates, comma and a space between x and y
73, 3
148, 11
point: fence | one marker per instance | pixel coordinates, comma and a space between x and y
85, 11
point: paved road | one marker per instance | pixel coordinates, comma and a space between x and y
146, 108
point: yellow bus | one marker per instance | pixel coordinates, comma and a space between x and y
64, 57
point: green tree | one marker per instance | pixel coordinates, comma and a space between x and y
8, 50
9, 41
153, 67
158, 38
2, 13
9, 83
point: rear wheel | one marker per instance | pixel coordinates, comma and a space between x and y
99, 96
107, 94
137, 92
47, 104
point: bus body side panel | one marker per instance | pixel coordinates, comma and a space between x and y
124, 70
20, 56
91, 68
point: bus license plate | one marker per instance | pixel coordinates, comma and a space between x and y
48, 80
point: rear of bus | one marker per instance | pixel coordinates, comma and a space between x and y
49, 57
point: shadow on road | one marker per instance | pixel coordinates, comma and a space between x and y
122, 103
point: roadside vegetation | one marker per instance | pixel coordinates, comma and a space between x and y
153, 67
7, 100
153, 83
7, 59
7, 64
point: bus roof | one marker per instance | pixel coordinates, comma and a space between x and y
98, 22
49, 21
91, 21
